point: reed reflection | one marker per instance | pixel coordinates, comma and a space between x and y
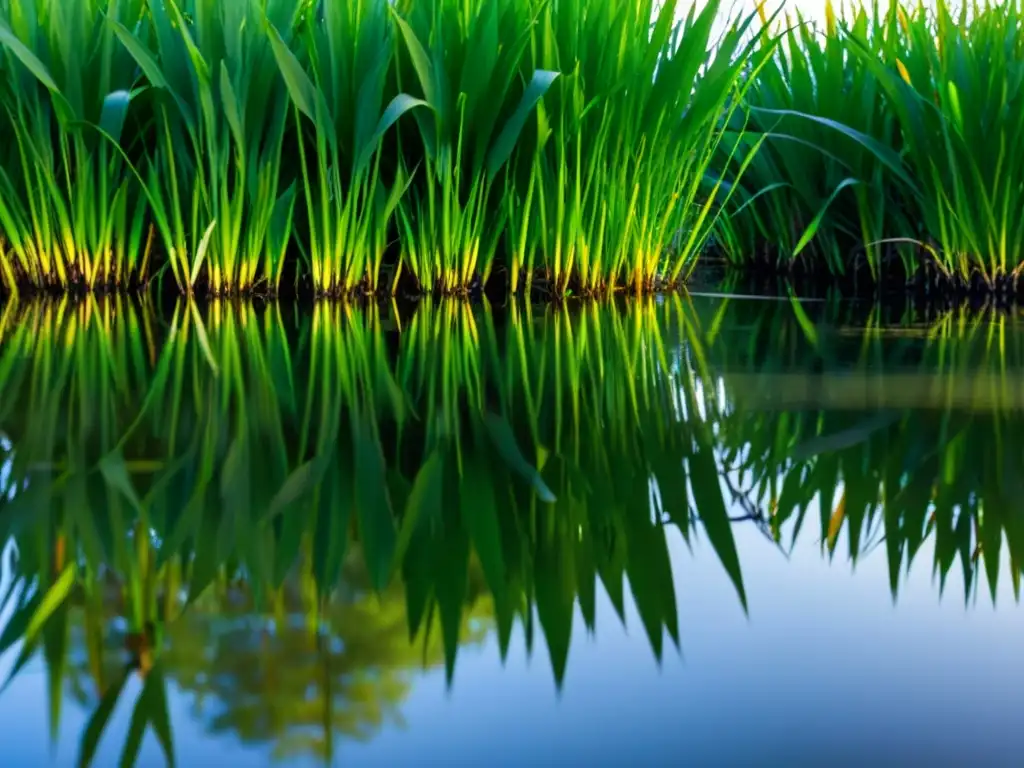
290, 515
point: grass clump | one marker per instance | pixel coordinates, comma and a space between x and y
70, 212
827, 186
253, 140
889, 149
212, 163
957, 93
452, 146
465, 60
338, 75
620, 188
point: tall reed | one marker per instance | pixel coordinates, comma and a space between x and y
465, 59
956, 90
619, 189
338, 78
890, 147
827, 188
218, 111
234, 144
70, 209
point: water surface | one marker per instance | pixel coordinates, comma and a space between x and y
719, 530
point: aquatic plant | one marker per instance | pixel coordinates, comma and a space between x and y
957, 94
827, 187
230, 145
338, 78
465, 60
219, 111
70, 209
888, 148
620, 188
449, 147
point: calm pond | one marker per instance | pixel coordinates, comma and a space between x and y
722, 530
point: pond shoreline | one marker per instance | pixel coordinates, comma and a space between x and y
708, 280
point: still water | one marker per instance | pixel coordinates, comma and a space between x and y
717, 530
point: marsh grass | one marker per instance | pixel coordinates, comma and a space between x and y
446, 148
212, 170
338, 80
70, 209
625, 196
827, 187
956, 91
469, 62
365, 147
888, 148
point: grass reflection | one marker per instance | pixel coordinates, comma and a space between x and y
288, 515
910, 435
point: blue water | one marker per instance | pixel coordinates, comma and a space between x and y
824, 668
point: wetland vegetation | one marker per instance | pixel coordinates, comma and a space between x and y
451, 146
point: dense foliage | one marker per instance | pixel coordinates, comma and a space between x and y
357, 144
891, 147
442, 146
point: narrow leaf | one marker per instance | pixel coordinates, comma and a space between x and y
502, 148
